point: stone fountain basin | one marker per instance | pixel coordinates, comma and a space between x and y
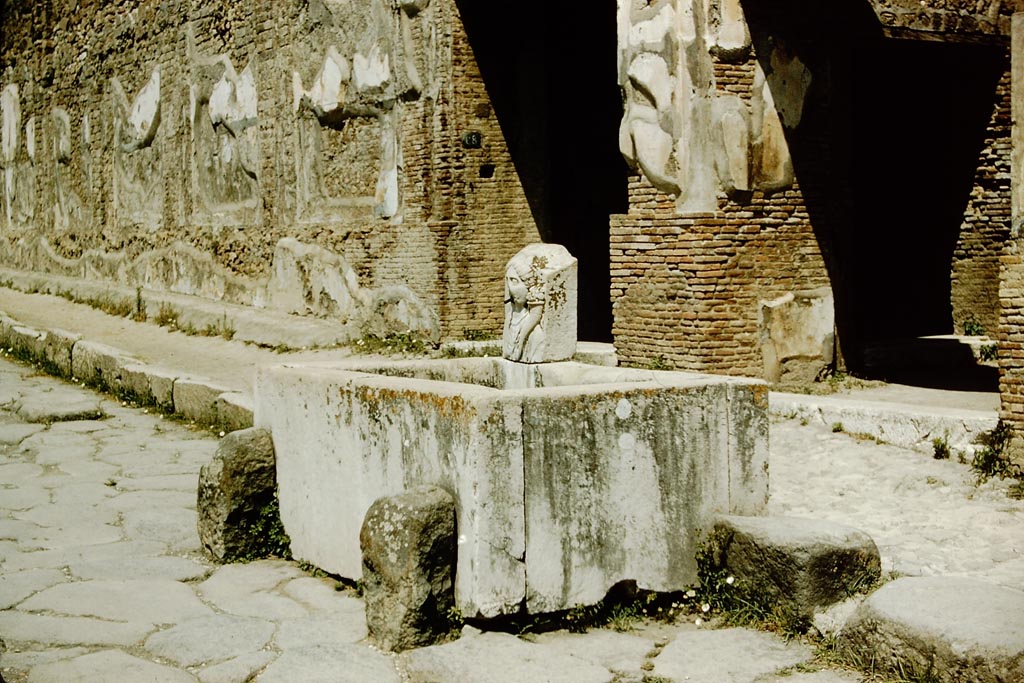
569, 478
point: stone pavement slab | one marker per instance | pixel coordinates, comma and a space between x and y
620, 653
54, 630
152, 601
727, 656
242, 668
106, 667
333, 664
61, 404
497, 658
211, 639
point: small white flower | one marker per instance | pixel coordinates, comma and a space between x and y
221, 433
698, 621
731, 580
462, 539
705, 608
691, 593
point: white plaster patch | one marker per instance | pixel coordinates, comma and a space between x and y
328, 91
10, 103
624, 409
145, 113
372, 71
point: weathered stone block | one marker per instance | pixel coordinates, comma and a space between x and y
408, 546
946, 629
797, 333
150, 385
99, 364
196, 399
57, 348
233, 488
795, 566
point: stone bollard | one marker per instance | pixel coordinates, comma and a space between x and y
408, 545
235, 487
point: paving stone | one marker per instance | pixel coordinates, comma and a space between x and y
322, 595
82, 553
73, 533
249, 590
93, 427
168, 482
174, 526
16, 586
321, 630
618, 652
59, 405
86, 494
44, 628
162, 567
954, 628
11, 434
211, 639
19, 471
123, 501
152, 601
57, 515
710, 656
23, 660
497, 658
18, 529
334, 664
22, 497
107, 666
89, 469
238, 669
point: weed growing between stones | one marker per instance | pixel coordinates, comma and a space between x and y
940, 448
837, 427
989, 462
973, 328
405, 343
988, 352
267, 537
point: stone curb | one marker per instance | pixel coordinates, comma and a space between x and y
117, 372
899, 424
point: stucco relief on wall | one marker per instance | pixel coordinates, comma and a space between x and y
225, 143
688, 139
138, 165
348, 156
18, 156
71, 211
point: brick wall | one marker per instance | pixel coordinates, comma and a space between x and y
686, 289
986, 225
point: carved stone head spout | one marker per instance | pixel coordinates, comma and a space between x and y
540, 305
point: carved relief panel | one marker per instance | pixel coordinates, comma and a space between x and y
138, 165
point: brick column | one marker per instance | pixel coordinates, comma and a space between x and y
1011, 272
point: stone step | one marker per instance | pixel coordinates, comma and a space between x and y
942, 629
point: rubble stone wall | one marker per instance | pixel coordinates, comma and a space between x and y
173, 145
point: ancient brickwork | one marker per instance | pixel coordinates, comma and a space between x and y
691, 269
174, 145
986, 227
687, 289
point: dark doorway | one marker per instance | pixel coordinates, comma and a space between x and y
886, 155
550, 71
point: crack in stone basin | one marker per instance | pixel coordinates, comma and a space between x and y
569, 478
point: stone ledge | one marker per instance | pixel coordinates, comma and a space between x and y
899, 424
